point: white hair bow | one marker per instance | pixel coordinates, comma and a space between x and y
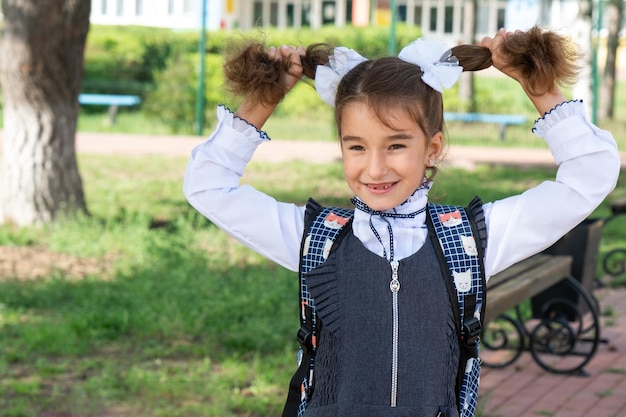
339, 64
440, 68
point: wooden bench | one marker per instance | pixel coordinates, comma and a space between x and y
524, 280
555, 340
113, 101
503, 120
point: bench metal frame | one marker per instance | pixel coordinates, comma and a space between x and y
614, 262
565, 336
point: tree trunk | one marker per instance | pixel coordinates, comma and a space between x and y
41, 69
582, 35
466, 82
615, 11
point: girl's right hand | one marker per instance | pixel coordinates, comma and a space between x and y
257, 113
294, 73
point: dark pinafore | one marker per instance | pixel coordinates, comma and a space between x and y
354, 364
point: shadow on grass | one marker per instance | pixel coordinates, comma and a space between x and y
175, 329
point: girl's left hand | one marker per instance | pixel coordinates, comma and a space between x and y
495, 45
543, 102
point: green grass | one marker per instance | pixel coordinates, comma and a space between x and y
183, 321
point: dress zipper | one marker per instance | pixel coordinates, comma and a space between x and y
394, 286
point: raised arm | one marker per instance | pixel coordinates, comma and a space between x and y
587, 159
215, 168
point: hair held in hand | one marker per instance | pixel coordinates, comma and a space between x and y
543, 58
250, 72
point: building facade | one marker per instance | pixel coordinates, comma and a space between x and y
441, 18
175, 14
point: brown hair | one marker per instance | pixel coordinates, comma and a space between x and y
388, 85
249, 71
543, 57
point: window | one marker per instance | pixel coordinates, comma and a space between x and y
119, 8
290, 14
103, 7
187, 6
274, 13
482, 19
448, 19
501, 17
401, 13
138, 7
418, 15
328, 12
306, 14
170, 7
433, 19
257, 14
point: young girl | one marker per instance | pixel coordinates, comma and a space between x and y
389, 116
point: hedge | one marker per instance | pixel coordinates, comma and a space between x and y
161, 65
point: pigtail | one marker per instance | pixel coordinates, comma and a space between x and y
250, 72
542, 58
472, 57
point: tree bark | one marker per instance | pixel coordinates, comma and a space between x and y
581, 29
615, 11
41, 68
466, 82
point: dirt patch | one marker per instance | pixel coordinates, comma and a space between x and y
33, 262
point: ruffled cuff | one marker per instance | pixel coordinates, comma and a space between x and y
569, 133
234, 140
558, 114
227, 117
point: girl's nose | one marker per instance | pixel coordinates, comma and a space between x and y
377, 165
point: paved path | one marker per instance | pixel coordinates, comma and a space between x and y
284, 150
523, 389
311, 151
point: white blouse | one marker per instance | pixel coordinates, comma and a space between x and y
518, 226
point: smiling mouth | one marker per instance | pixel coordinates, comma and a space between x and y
380, 187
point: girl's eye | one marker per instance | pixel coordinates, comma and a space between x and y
397, 146
356, 148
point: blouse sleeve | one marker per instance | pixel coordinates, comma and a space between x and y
588, 168
211, 186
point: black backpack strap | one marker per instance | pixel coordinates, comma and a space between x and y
324, 228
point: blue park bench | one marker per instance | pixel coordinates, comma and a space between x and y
111, 100
504, 120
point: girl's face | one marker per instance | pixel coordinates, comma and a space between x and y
383, 166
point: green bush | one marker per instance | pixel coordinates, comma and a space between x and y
371, 42
161, 66
174, 98
125, 59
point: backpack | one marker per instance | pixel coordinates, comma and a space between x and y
459, 238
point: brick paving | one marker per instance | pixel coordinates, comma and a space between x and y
523, 389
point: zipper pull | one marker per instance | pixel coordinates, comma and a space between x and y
394, 285
442, 412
